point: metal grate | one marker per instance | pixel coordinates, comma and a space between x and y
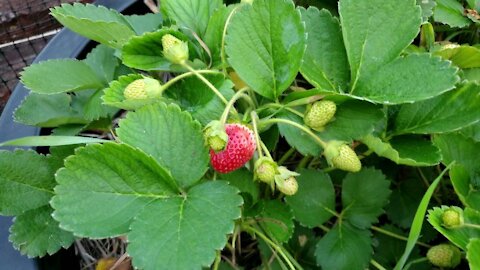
25, 28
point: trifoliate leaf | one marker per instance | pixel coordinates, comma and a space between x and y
171, 136
314, 201
364, 194
183, 232
35, 233
103, 187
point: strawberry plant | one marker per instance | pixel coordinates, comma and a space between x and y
265, 134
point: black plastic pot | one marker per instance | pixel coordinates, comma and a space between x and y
65, 44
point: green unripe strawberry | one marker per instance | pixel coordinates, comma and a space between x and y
286, 182
175, 50
452, 217
319, 114
215, 135
341, 156
265, 169
444, 255
143, 89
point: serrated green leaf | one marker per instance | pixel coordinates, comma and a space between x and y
297, 138
192, 15
58, 76
406, 150
145, 23
171, 136
462, 150
370, 32
462, 56
398, 81
344, 248
265, 44
450, 12
94, 109
474, 4
195, 97
458, 236
471, 75
26, 181
360, 208
103, 187
325, 63
404, 201
468, 193
242, 179
35, 233
353, 120
48, 111
113, 94
427, 8
189, 229
448, 112
314, 201
98, 23
277, 220
51, 141
145, 52
473, 253
103, 61
417, 223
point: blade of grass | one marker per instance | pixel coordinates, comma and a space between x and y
418, 220
51, 141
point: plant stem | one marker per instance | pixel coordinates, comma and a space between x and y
254, 116
377, 265
232, 101
207, 82
473, 226
294, 124
397, 236
187, 74
222, 48
218, 259
414, 262
265, 148
286, 156
290, 261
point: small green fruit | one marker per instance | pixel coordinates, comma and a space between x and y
319, 114
265, 169
175, 50
444, 255
341, 156
286, 182
143, 89
452, 217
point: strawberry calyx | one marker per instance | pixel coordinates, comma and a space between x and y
265, 170
174, 49
215, 135
286, 182
452, 217
339, 155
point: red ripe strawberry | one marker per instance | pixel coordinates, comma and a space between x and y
240, 148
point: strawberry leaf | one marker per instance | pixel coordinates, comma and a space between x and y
102, 188
458, 236
103, 61
462, 150
297, 138
277, 220
35, 233
406, 150
473, 253
435, 116
164, 232
171, 136
145, 23
325, 63
265, 44
64, 75
464, 56
344, 248
360, 208
314, 201
450, 12
465, 188
98, 23
193, 15
26, 181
